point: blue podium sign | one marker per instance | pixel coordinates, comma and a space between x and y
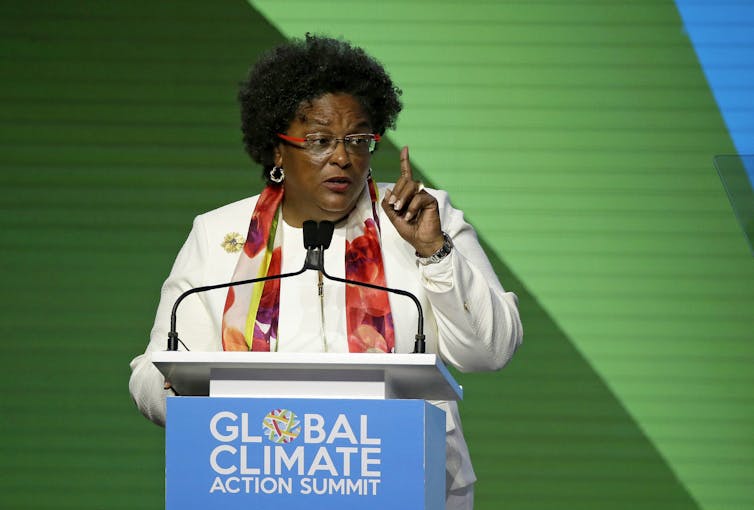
242, 453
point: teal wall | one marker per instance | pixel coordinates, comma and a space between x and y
577, 137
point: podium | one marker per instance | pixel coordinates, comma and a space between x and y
305, 430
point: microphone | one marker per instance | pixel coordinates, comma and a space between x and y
315, 257
323, 236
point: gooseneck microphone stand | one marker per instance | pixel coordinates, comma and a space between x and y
173, 339
323, 236
317, 239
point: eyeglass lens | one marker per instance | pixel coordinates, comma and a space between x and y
326, 144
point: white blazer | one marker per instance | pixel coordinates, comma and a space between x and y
469, 318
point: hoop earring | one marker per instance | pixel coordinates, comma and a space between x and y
277, 175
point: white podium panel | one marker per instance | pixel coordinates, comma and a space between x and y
308, 375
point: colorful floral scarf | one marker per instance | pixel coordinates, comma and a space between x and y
250, 320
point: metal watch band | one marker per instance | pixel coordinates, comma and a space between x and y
440, 254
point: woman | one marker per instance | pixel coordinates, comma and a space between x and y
312, 113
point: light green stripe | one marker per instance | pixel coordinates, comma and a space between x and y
579, 139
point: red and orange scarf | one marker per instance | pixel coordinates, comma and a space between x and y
250, 320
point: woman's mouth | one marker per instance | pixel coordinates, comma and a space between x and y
337, 184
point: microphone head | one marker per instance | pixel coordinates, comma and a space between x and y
311, 240
326, 229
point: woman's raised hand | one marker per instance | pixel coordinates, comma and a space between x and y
413, 211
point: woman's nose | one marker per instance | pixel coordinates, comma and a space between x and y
340, 155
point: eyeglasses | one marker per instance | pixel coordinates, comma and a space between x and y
318, 144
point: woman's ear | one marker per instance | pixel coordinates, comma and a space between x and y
278, 154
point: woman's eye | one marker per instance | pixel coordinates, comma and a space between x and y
320, 140
357, 140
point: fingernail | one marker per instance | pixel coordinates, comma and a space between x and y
391, 199
408, 216
397, 205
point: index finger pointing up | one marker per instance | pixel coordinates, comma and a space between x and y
406, 164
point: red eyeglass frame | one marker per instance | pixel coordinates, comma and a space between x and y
294, 139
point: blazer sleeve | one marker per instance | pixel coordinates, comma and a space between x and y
478, 322
146, 384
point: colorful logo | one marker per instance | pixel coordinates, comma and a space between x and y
281, 426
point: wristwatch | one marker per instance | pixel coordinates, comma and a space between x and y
440, 254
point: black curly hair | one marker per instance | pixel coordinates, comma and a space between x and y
301, 70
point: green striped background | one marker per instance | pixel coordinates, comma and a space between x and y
578, 138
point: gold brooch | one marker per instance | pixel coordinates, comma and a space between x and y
233, 242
